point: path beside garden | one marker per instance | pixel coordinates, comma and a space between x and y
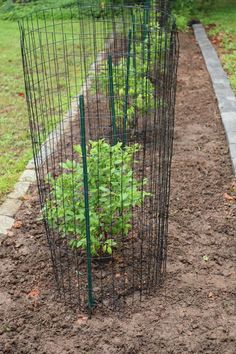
194, 311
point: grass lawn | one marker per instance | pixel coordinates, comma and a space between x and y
14, 133
15, 144
223, 34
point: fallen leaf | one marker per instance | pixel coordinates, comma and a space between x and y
229, 198
205, 258
17, 224
25, 197
210, 295
21, 94
81, 320
216, 40
34, 293
234, 184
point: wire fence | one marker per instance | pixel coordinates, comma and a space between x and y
101, 96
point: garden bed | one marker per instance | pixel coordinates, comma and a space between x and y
194, 311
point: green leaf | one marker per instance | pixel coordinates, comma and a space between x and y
110, 169
205, 258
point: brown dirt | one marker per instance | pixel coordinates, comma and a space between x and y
194, 312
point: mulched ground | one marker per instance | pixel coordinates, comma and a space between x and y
194, 312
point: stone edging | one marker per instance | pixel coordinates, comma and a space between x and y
13, 201
223, 91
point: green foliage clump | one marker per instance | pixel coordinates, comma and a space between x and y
113, 192
229, 63
17, 9
185, 10
140, 85
140, 92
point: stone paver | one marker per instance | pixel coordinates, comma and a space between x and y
229, 121
226, 105
30, 165
233, 149
10, 207
231, 138
223, 91
6, 223
20, 190
28, 176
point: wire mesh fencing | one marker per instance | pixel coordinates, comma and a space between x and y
101, 96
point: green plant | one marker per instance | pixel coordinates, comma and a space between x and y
15, 10
113, 192
229, 64
191, 6
140, 85
140, 93
185, 10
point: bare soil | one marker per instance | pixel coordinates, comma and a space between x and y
194, 312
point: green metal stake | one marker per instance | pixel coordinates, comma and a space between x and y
86, 203
127, 88
111, 96
134, 44
146, 12
146, 19
134, 61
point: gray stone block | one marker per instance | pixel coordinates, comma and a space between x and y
212, 61
223, 90
229, 121
6, 223
234, 165
198, 30
226, 105
10, 207
222, 86
220, 82
216, 74
30, 165
232, 149
231, 137
28, 176
20, 189
232, 98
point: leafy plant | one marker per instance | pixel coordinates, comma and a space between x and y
141, 87
229, 63
113, 192
191, 6
140, 92
16, 9
185, 10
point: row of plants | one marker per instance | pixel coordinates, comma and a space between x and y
130, 82
114, 190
